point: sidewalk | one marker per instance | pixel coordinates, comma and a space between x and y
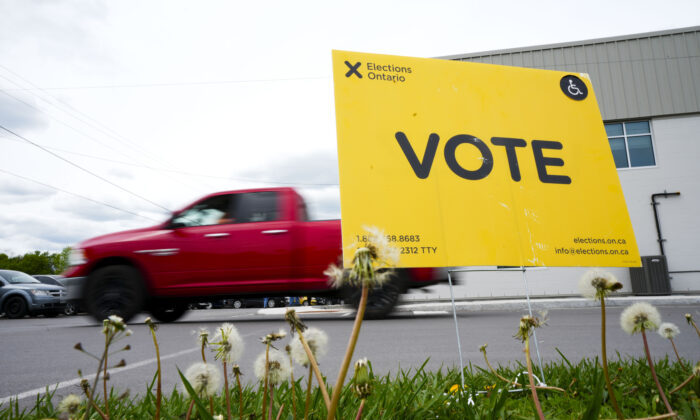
478, 305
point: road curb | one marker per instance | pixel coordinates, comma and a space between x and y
543, 303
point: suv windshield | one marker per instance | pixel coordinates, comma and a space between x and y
17, 277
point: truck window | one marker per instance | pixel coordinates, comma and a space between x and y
212, 211
256, 207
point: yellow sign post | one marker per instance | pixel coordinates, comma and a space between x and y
476, 164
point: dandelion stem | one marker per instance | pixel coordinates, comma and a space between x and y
294, 389
316, 370
359, 411
692, 322
91, 404
204, 358
189, 410
686, 382
272, 399
538, 407
349, 352
159, 391
267, 373
653, 373
104, 375
91, 394
240, 396
228, 394
604, 356
308, 393
675, 350
279, 413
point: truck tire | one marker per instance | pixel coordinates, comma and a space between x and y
237, 304
271, 303
168, 312
115, 290
381, 300
15, 307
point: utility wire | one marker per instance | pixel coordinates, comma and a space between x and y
174, 84
76, 195
81, 168
71, 112
62, 122
138, 165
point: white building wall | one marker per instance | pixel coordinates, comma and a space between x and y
677, 148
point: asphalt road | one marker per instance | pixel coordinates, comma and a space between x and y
38, 352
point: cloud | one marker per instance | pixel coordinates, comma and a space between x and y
315, 175
17, 115
322, 203
51, 28
20, 192
313, 169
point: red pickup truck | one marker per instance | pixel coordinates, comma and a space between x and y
233, 244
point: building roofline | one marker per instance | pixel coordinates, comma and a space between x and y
574, 43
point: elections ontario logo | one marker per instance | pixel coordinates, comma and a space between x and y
378, 71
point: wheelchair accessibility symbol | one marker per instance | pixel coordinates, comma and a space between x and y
573, 87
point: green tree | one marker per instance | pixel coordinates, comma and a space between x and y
37, 262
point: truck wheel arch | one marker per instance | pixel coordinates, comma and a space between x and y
115, 289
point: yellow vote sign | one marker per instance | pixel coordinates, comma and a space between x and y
464, 164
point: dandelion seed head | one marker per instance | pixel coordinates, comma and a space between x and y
202, 336
268, 339
527, 324
640, 317
278, 367
336, 276
204, 378
387, 255
228, 343
70, 404
596, 284
295, 323
668, 330
318, 343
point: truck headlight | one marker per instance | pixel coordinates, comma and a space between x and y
77, 257
40, 292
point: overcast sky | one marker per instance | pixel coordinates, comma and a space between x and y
130, 109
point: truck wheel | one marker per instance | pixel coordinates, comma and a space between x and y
114, 290
15, 307
165, 312
381, 301
237, 304
271, 303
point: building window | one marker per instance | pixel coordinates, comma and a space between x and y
631, 144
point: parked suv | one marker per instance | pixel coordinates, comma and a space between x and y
57, 280
22, 294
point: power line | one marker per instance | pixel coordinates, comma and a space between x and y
138, 165
76, 195
176, 84
71, 112
82, 169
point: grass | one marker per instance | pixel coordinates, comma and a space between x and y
420, 394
